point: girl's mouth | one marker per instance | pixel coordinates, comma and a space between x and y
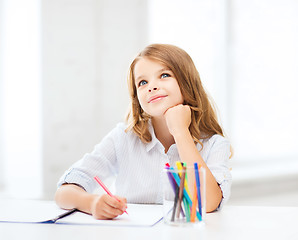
156, 98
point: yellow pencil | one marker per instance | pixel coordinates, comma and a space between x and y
179, 166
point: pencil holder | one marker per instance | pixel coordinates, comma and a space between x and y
184, 195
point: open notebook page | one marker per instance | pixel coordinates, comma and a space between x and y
33, 211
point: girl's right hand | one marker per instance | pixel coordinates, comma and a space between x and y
178, 119
107, 207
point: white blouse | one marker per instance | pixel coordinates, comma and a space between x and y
138, 166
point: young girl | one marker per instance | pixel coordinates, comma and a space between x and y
171, 119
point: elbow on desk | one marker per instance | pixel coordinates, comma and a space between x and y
212, 204
57, 197
211, 208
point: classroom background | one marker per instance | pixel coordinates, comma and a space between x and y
63, 69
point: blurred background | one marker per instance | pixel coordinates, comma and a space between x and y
63, 69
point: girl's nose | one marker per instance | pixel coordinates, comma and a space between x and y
153, 89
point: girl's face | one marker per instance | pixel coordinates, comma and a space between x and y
157, 87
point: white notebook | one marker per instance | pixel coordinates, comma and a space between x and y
34, 211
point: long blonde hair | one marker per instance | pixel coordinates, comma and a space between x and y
204, 123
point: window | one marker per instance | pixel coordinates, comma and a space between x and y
246, 53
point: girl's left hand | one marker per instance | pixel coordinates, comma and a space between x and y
178, 119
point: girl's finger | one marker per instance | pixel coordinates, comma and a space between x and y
114, 203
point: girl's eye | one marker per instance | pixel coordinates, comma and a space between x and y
143, 82
164, 75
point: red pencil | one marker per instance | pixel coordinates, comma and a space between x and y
106, 189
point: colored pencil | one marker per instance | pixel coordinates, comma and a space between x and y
197, 175
186, 180
177, 179
181, 187
194, 205
171, 178
172, 182
106, 189
175, 204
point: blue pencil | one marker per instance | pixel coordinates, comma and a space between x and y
198, 187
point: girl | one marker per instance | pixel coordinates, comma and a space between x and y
171, 119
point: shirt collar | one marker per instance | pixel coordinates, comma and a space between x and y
155, 141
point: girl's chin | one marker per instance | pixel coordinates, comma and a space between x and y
158, 114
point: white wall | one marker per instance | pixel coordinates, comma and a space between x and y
264, 73
20, 98
1, 103
87, 48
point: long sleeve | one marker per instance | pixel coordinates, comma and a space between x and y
101, 162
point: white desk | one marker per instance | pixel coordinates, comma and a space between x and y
232, 222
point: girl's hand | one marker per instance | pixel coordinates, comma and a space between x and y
178, 119
107, 207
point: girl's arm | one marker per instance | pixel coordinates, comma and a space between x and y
178, 119
70, 196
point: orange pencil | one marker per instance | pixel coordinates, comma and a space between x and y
194, 205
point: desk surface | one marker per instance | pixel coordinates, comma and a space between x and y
232, 222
